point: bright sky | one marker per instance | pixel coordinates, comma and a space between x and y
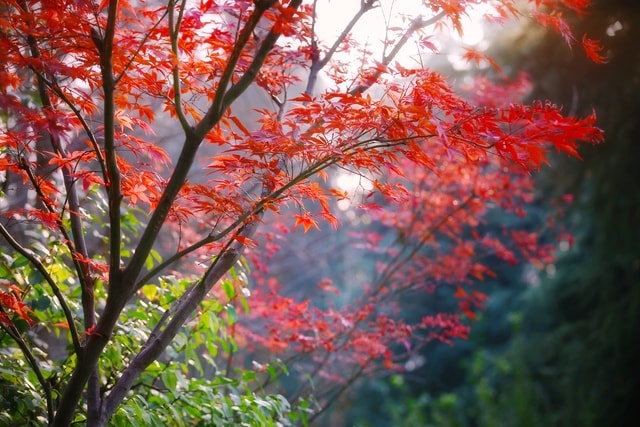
335, 14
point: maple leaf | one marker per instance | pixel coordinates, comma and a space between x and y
245, 241
12, 304
477, 57
327, 285
593, 49
62, 325
306, 221
556, 21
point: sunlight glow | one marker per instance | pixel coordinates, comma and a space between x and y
614, 28
370, 30
354, 184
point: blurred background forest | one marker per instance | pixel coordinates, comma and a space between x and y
558, 345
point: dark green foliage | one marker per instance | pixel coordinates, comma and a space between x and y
585, 349
576, 360
567, 351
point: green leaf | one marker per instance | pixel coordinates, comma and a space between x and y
5, 273
36, 277
153, 259
149, 291
232, 315
180, 340
229, 289
244, 302
169, 379
19, 261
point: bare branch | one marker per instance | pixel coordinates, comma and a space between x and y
418, 23
318, 64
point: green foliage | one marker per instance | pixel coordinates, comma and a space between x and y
217, 402
184, 387
587, 357
21, 400
572, 359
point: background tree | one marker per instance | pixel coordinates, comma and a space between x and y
590, 326
81, 85
565, 351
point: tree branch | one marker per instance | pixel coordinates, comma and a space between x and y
195, 135
257, 209
217, 107
86, 369
78, 246
113, 184
418, 23
159, 339
318, 64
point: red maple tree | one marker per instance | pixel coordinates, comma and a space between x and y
120, 116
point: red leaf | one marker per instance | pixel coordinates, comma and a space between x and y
306, 221
593, 49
